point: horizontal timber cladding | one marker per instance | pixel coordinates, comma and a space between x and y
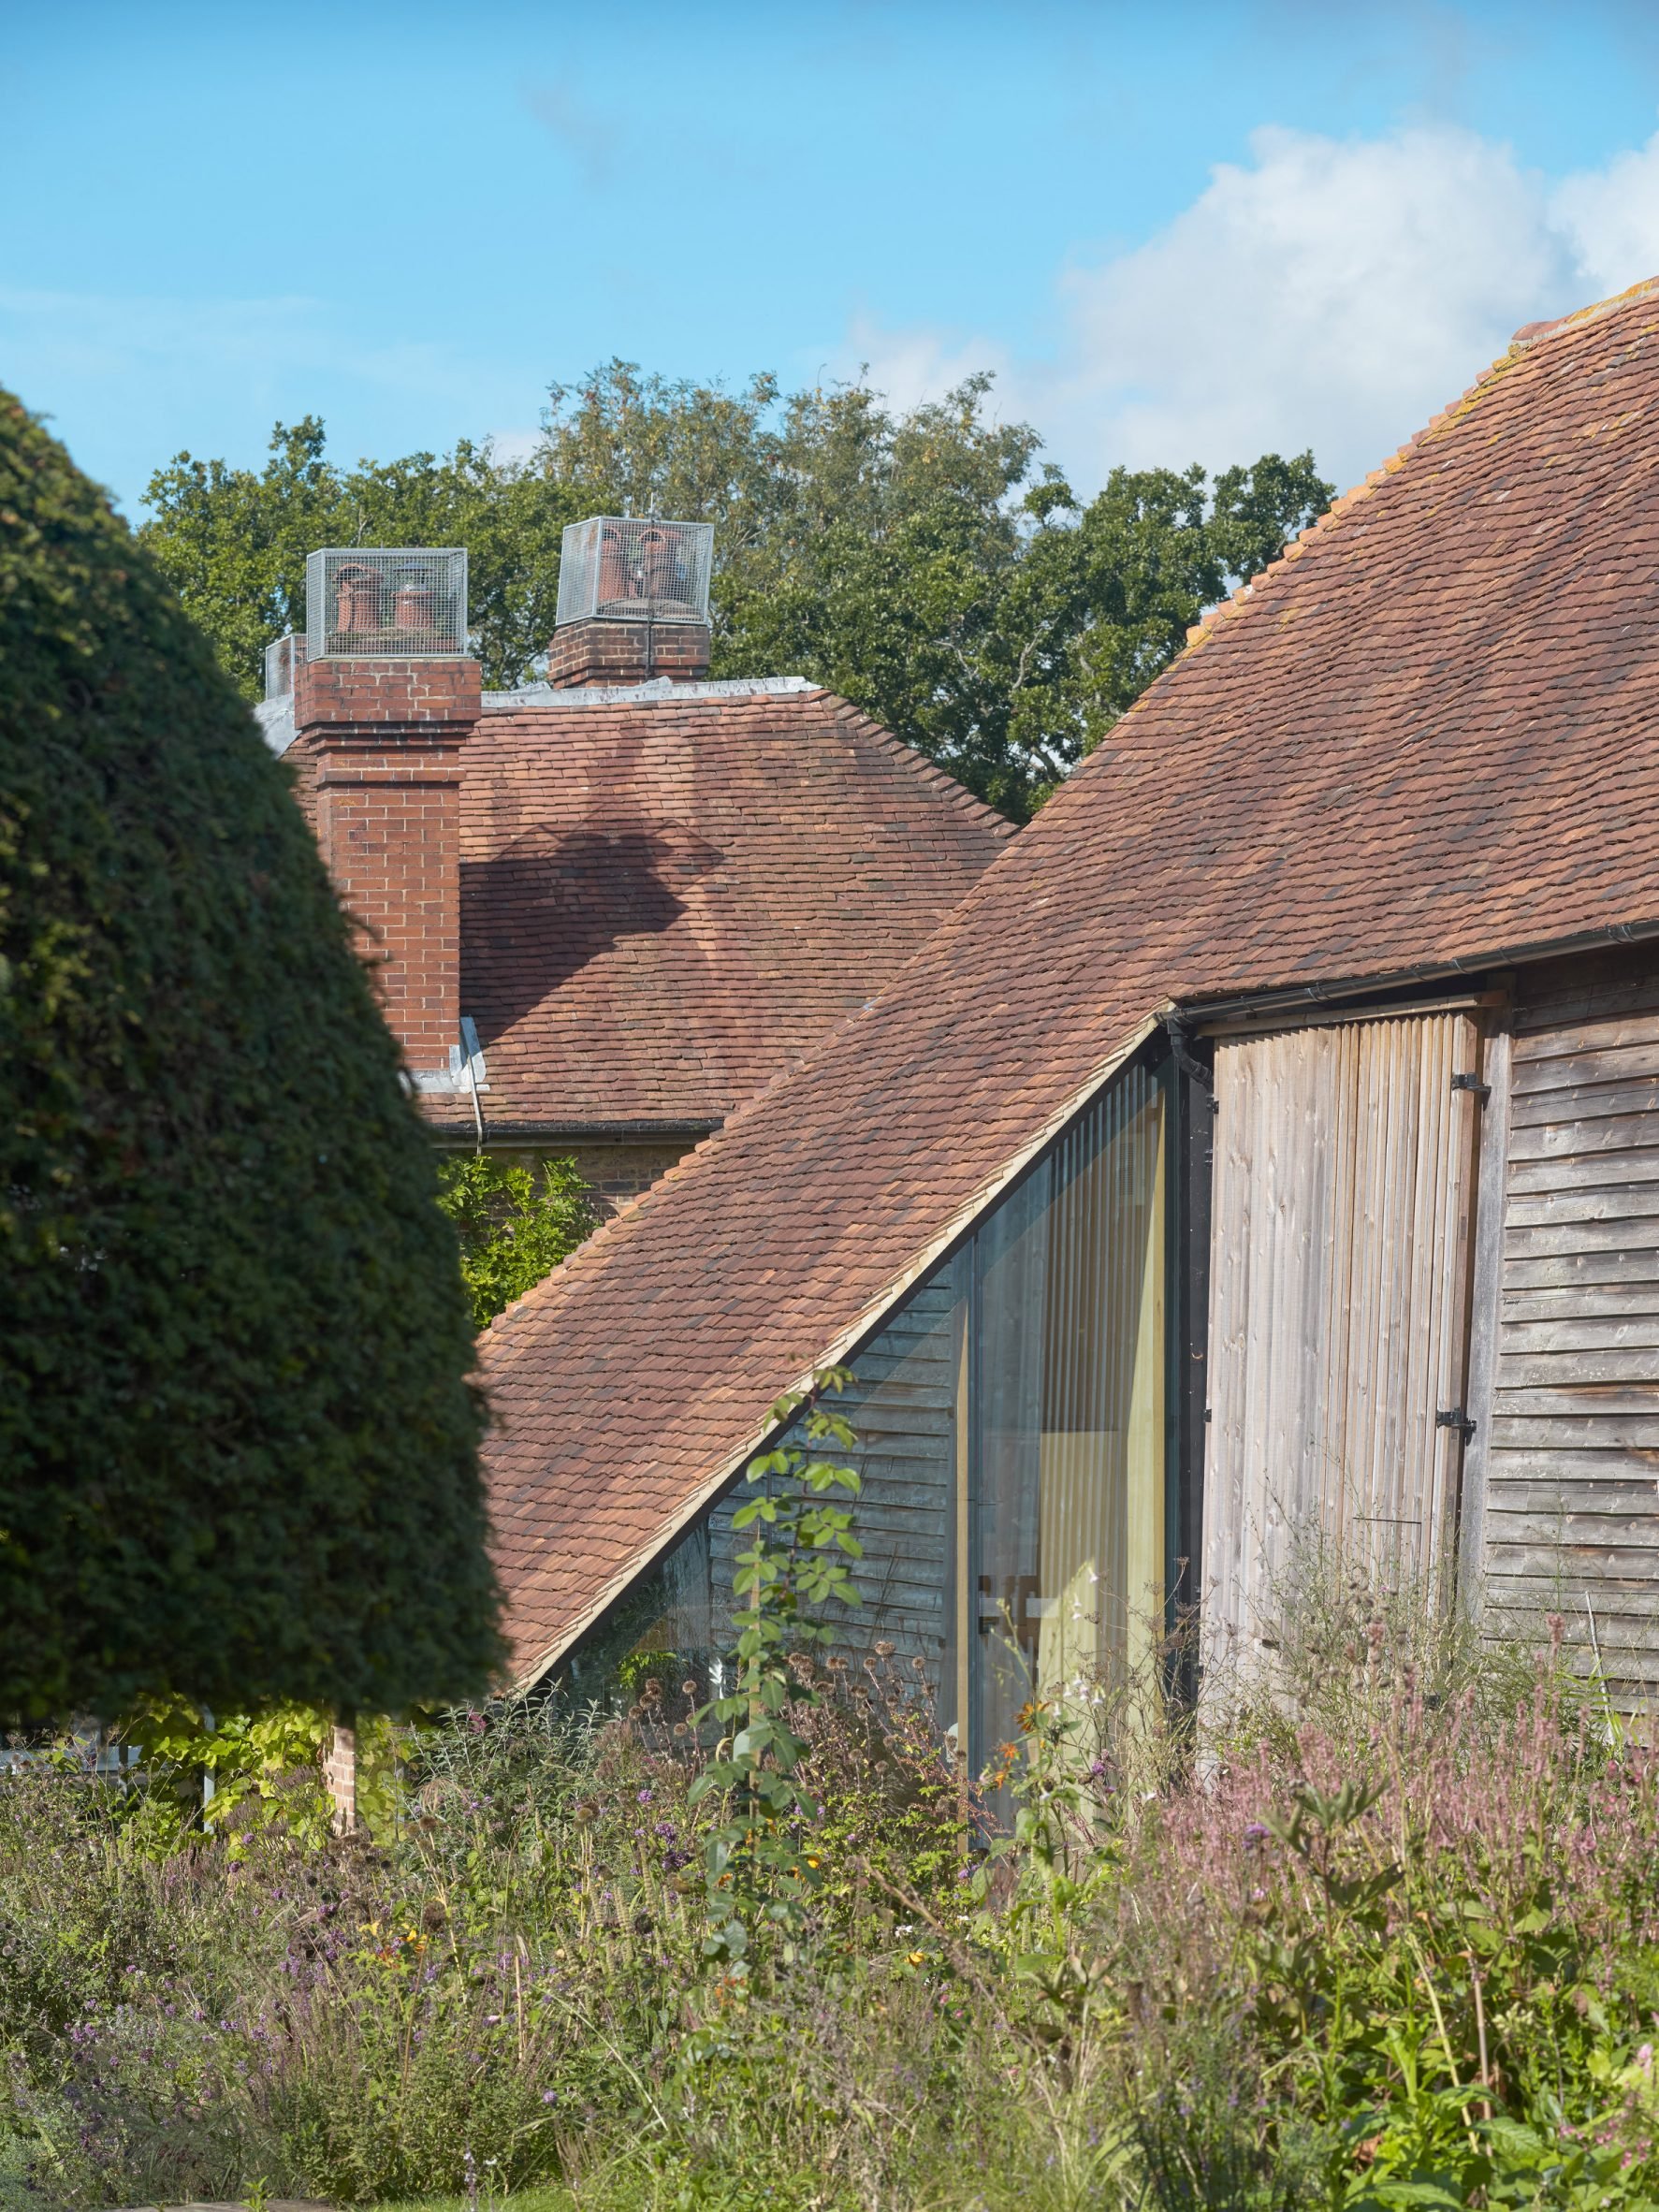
1571, 1461
1342, 1212
902, 1404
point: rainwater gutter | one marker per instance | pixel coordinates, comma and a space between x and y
1189, 1013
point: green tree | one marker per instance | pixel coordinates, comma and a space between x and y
922, 563
238, 1441
233, 542
760, 1868
515, 1227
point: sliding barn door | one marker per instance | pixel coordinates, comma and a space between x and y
1342, 1197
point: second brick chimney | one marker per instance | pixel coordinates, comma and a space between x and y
380, 744
633, 603
601, 651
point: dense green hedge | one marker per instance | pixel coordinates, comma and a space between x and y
237, 1444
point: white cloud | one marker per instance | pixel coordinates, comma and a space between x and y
1332, 294
1612, 218
515, 444
910, 365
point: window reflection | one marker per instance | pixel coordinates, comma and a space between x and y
1011, 1421
1070, 1568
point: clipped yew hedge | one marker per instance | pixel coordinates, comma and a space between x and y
237, 1442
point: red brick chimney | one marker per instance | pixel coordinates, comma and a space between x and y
633, 603
603, 651
380, 744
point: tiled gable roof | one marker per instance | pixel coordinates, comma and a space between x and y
1428, 736
665, 897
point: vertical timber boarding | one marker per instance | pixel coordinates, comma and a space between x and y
1342, 1212
1569, 1519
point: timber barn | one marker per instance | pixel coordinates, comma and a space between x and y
1268, 1143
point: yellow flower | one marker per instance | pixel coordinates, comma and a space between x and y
917, 1958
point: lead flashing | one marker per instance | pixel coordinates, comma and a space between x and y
661, 689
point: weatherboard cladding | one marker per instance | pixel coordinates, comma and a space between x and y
1430, 734
1571, 1519
666, 898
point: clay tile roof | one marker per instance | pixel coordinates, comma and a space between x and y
1428, 735
664, 899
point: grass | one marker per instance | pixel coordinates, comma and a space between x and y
1383, 1930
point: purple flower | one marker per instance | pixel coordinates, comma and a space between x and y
549, 2096
644, 1797
1255, 1836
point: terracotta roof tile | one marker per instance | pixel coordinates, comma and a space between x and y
1429, 736
665, 899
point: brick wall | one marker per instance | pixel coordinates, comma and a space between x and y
616, 1173
380, 743
599, 651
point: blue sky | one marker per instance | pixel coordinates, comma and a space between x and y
1174, 232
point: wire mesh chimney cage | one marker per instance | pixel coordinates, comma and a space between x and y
623, 570
283, 656
410, 602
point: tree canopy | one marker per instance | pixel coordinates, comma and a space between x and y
925, 563
238, 1441
515, 1223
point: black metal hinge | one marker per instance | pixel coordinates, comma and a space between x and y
1455, 1417
1474, 1085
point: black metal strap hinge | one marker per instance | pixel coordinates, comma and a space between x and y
1453, 1416
1474, 1085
